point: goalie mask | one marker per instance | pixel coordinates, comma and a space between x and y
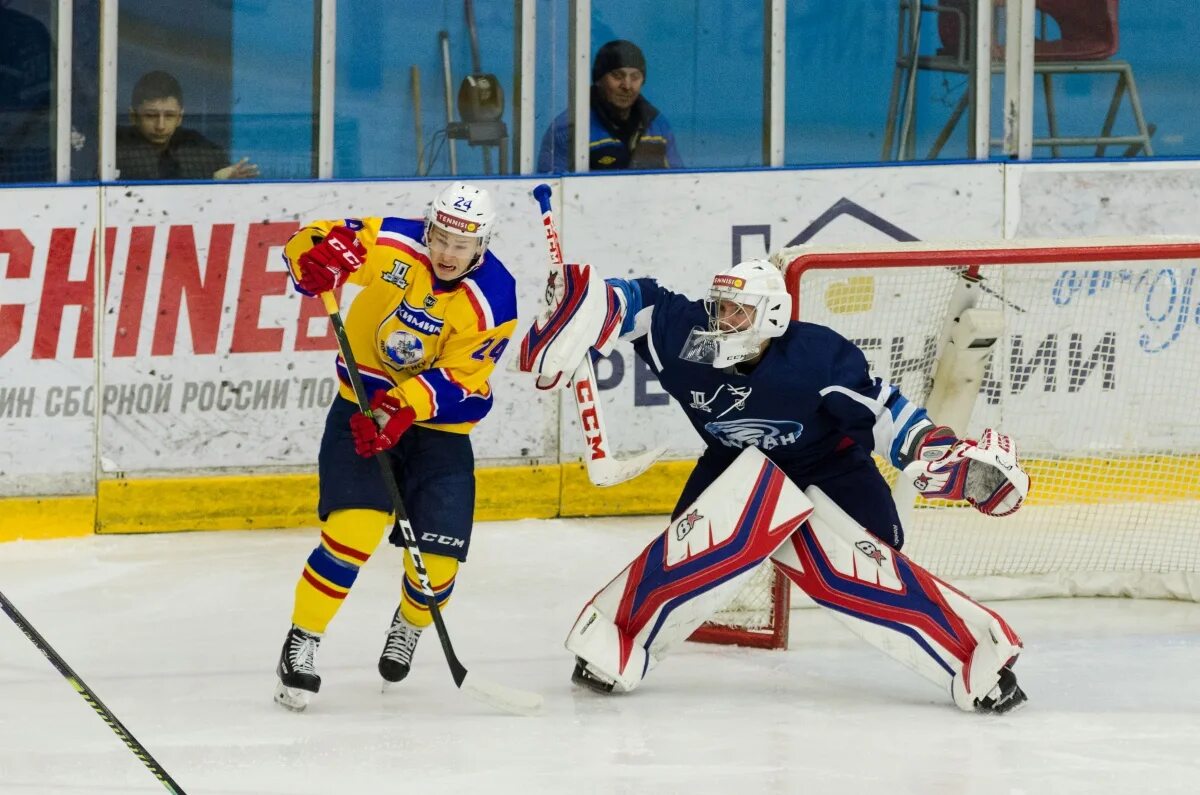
747, 306
460, 212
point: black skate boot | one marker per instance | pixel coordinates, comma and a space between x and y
586, 677
1004, 697
297, 670
396, 659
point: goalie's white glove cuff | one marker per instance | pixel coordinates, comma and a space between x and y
926, 442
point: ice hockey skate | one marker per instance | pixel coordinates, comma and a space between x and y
298, 678
585, 677
1004, 697
396, 659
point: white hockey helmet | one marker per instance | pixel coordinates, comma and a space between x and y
464, 210
764, 309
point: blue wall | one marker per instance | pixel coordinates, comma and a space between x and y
704, 72
273, 86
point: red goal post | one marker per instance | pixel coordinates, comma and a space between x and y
1093, 368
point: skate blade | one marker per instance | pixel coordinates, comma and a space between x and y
388, 684
291, 698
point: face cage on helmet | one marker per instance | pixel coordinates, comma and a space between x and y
720, 347
751, 310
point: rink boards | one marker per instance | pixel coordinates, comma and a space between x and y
195, 398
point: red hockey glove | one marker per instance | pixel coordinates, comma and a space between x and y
327, 264
391, 420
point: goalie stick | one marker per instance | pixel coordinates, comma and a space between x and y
91, 698
502, 697
603, 468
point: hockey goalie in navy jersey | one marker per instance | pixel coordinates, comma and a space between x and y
790, 415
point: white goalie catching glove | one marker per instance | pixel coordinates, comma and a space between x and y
985, 473
588, 315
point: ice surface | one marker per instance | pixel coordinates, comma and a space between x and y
179, 635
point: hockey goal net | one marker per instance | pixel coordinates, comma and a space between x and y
1089, 357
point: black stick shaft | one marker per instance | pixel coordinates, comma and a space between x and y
90, 697
457, 669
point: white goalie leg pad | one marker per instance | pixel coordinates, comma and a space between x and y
588, 316
694, 568
897, 606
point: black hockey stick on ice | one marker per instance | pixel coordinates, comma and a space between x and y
505, 698
603, 467
91, 698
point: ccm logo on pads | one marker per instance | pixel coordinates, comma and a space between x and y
446, 541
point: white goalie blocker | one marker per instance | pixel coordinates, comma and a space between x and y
585, 313
753, 511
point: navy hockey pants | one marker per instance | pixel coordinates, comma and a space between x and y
434, 469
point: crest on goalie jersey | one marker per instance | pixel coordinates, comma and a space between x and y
763, 434
736, 396
403, 348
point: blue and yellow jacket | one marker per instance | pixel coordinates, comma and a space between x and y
645, 143
431, 344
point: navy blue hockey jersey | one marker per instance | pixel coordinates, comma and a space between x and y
810, 396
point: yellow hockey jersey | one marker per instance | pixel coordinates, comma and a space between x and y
430, 343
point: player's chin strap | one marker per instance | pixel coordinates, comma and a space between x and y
502, 697
581, 312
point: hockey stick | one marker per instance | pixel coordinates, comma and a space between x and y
91, 698
603, 468
448, 89
500, 696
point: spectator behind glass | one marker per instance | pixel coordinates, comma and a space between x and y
157, 147
25, 52
626, 131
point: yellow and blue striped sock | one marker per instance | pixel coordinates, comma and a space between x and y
347, 540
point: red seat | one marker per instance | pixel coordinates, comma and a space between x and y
1086, 45
1088, 29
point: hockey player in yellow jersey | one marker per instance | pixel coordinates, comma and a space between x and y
434, 316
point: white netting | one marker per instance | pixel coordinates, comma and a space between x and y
1095, 376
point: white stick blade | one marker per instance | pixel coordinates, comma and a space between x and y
610, 471
504, 698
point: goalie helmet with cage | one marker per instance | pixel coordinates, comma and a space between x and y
747, 305
464, 210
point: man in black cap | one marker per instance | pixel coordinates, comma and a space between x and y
626, 131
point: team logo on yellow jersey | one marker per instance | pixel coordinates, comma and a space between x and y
418, 319
403, 348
